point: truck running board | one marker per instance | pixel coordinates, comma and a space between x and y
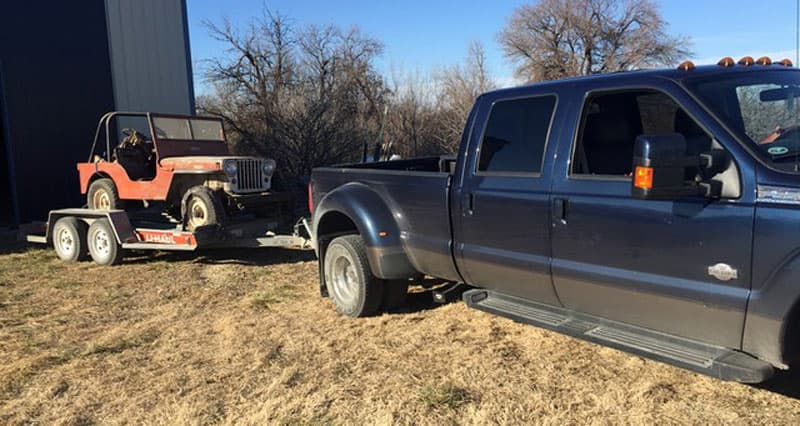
719, 362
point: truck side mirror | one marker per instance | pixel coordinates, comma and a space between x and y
660, 163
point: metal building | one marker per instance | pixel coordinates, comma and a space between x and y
62, 65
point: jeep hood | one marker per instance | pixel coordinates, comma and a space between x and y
198, 163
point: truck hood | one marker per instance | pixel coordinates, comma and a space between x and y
197, 163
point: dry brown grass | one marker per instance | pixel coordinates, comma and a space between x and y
166, 339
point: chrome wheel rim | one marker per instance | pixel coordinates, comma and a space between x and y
101, 200
198, 213
345, 279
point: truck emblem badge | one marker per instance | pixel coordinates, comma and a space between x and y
723, 272
778, 150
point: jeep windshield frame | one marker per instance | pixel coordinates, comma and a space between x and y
187, 128
760, 108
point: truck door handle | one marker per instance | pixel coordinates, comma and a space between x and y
560, 207
468, 204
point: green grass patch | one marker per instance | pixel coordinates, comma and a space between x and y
263, 299
445, 396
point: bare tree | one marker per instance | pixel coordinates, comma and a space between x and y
558, 38
459, 85
306, 97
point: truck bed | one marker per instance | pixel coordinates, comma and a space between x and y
416, 192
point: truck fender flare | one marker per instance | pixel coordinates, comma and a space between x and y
771, 310
375, 222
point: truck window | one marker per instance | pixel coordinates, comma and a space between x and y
611, 123
516, 135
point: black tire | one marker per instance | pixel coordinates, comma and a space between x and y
353, 289
201, 207
69, 239
394, 294
103, 195
103, 245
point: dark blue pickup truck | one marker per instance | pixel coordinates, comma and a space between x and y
657, 212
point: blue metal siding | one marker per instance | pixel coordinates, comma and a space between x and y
150, 60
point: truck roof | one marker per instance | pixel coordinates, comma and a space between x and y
674, 74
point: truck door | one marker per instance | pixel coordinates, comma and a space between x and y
501, 206
681, 267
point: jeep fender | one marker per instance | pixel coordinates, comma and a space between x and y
373, 219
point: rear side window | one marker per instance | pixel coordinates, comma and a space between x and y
516, 136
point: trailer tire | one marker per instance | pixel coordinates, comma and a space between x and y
103, 245
103, 195
353, 289
201, 207
69, 239
394, 294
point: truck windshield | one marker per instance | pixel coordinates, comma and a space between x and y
762, 107
188, 129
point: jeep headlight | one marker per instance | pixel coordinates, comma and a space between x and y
268, 167
230, 168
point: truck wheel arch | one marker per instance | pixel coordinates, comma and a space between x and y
772, 321
354, 208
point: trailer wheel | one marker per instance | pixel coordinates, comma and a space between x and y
202, 208
103, 195
355, 292
69, 239
103, 245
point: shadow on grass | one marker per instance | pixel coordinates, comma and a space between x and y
239, 256
9, 243
784, 382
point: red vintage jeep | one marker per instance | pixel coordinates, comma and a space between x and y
182, 162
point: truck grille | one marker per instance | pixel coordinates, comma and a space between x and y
250, 176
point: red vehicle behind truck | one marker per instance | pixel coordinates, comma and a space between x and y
181, 162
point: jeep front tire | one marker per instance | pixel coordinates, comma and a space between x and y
201, 207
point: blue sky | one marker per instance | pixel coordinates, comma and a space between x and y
425, 35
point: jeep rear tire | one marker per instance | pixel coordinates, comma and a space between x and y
353, 289
69, 239
103, 195
201, 207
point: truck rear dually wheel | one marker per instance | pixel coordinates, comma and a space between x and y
355, 292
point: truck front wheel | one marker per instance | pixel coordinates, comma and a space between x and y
353, 289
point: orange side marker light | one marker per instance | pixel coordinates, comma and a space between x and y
643, 177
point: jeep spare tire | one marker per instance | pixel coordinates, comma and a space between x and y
201, 207
103, 195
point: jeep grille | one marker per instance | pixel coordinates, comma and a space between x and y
250, 176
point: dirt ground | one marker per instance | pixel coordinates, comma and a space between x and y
242, 337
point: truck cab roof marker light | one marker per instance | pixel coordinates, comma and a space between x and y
686, 66
726, 62
746, 61
764, 60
